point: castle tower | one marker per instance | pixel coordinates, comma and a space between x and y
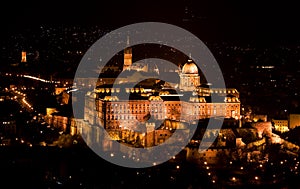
127, 56
150, 135
23, 59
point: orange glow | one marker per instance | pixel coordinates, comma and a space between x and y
23, 56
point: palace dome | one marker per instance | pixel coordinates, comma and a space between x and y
189, 68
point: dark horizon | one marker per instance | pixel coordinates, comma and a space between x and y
251, 21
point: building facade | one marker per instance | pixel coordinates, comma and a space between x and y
147, 115
294, 121
280, 125
161, 109
113, 112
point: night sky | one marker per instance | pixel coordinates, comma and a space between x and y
258, 21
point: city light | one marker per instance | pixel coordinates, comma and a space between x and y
39, 79
45, 145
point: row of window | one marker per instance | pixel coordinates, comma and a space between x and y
124, 117
159, 110
140, 105
159, 105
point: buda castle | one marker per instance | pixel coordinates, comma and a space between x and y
125, 105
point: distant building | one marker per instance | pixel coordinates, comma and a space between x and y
23, 56
263, 128
280, 125
294, 121
139, 66
50, 111
259, 117
7, 126
59, 90
127, 56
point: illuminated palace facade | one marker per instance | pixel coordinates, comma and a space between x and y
106, 105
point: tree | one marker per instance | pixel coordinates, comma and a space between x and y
64, 140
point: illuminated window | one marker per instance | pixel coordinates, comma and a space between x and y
233, 113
